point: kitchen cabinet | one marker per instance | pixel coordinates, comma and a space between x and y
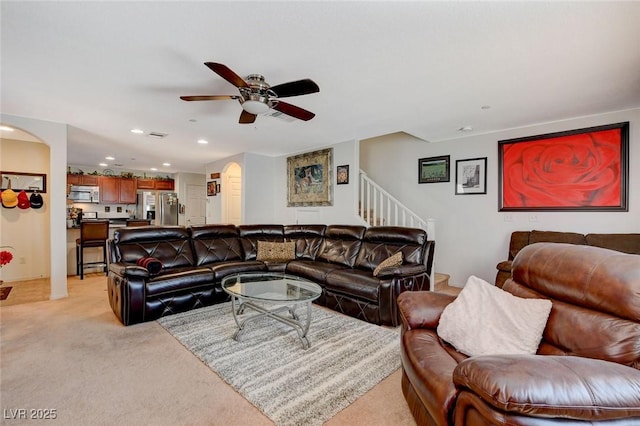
164, 185
144, 183
158, 184
114, 190
89, 180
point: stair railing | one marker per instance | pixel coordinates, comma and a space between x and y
377, 207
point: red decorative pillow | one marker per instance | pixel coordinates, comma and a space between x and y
151, 264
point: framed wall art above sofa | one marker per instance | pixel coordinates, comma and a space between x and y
577, 170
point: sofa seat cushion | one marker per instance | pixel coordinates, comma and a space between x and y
314, 271
581, 387
355, 282
222, 269
179, 279
429, 367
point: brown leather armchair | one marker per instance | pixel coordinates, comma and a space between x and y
586, 370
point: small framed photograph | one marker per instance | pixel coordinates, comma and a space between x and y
217, 187
433, 169
342, 175
471, 176
211, 188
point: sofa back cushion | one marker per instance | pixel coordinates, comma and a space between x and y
251, 234
171, 245
381, 242
216, 243
307, 238
596, 299
341, 244
625, 243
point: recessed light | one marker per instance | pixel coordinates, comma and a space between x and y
6, 128
109, 157
202, 141
166, 164
153, 169
103, 164
137, 131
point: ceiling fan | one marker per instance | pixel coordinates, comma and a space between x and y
258, 97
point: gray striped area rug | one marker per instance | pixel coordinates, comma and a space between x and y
291, 385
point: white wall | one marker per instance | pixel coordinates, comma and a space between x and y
54, 135
181, 182
30, 251
471, 235
264, 187
343, 210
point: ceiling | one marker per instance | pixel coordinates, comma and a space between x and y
424, 68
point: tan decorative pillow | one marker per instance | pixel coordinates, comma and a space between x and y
486, 320
276, 252
395, 260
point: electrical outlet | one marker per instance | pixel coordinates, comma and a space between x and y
508, 218
22, 260
533, 218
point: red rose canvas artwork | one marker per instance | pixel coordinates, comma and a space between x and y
583, 169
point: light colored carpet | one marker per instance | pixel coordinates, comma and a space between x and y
72, 355
269, 367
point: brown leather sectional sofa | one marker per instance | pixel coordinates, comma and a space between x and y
625, 243
586, 370
340, 258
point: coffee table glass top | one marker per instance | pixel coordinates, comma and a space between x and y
271, 286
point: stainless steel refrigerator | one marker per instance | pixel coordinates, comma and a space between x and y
167, 208
160, 205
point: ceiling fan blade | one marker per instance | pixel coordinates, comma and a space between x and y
209, 97
296, 88
294, 111
246, 117
226, 73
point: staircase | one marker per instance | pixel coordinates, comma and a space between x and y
376, 207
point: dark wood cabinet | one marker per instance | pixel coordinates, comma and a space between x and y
115, 190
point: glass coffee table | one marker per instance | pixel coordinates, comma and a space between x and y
272, 294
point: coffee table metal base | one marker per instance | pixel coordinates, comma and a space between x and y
294, 322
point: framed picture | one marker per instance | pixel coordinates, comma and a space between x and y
309, 179
471, 176
211, 188
578, 170
217, 187
433, 169
29, 182
342, 175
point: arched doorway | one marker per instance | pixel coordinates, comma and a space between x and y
232, 194
26, 230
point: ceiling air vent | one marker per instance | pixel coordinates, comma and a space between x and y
158, 135
278, 114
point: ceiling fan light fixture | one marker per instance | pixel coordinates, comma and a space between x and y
255, 107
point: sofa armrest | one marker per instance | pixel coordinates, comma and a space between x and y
547, 386
504, 266
124, 270
402, 271
422, 309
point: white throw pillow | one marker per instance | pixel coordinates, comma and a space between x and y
486, 320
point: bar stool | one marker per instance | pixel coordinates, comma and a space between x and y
138, 222
94, 233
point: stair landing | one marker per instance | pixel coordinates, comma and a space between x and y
442, 285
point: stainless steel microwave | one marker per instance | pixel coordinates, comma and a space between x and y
84, 194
